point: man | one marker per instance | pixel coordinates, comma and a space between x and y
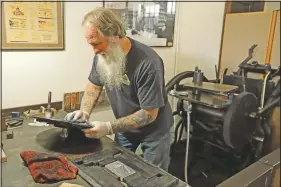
133, 76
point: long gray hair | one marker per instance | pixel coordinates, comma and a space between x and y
106, 21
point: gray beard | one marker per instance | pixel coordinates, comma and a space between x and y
111, 67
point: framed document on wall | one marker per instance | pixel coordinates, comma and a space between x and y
151, 23
32, 25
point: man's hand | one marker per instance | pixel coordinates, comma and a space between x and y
136, 120
77, 115
99, 130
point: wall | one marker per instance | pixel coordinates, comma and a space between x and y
199, 38
271, 6
241, 31
29, 75
200, 35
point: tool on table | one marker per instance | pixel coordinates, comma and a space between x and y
14, 121
15, 115
65, 124
38, 112
48, 112
38, 124
10, 134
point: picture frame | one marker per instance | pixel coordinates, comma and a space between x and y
32, 25
151, 23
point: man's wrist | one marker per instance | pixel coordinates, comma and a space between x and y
109, 127
86, 113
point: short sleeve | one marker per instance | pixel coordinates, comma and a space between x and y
151, 90
93, 76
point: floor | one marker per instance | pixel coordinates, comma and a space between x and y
209, 178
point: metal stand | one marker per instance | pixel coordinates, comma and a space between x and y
187, 108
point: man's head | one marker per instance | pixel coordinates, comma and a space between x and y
105, 33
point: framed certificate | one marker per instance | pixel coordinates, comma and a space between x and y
32, 25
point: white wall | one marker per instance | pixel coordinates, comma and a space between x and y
200, 30
271, 6
28, 75
200, 35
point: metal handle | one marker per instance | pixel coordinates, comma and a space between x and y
187, 108
264, 89
49, 98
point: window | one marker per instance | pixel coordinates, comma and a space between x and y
171, 7
152, 10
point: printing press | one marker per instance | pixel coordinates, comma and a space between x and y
226, 120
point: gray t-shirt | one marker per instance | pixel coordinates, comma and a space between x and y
144, 90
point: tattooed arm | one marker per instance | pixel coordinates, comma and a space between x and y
90, 97
138, 119
133, 121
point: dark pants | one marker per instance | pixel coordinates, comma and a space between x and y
156, 152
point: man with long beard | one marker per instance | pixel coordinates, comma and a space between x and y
133, 76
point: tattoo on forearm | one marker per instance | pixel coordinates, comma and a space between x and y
136, 120
142, 118
91, 93
89, 100
86, 105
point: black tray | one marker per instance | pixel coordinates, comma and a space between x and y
64, 124
118, 166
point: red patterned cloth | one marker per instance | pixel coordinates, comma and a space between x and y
46, 168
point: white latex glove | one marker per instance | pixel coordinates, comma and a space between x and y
99, 129
77, 115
